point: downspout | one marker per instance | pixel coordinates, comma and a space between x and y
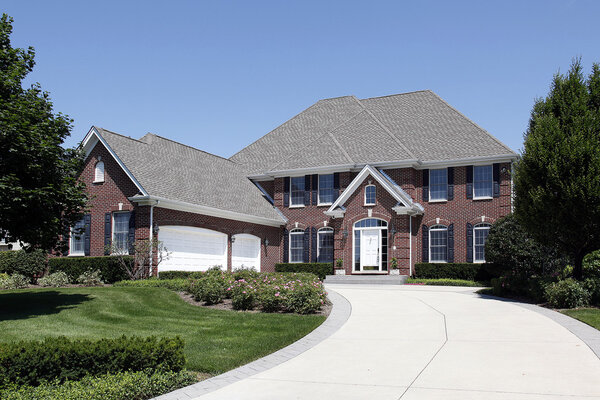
410, 246
151, 235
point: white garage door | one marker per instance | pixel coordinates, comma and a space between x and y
192, 249
245, 251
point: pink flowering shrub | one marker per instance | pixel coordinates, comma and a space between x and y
243, 294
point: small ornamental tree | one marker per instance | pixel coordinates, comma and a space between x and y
557, 179
140, 250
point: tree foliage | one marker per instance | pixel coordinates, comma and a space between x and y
40, 196
557, 179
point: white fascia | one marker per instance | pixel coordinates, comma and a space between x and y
205, 210
90, 141
486, 160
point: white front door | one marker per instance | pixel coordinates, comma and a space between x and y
370, 245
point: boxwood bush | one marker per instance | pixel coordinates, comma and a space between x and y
109, 267
567, 293
25, 263
319, 269
60, 359
465, 271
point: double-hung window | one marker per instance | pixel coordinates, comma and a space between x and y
438, 184
99, 172
78, 239
297, 246
480, 234
297, 191
438, 243
325, 247
370, 195
325, 189
482, 181
120, 236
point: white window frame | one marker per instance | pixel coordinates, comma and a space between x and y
432, 200
319, 202
480, 226
296, 231
96, 172
112, 233
71, 237
319, 233
438, 228
491, 182
299, 205
365, 196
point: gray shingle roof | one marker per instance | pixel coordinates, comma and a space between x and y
178, 172
417, 125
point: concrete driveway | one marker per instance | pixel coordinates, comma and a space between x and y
416, 342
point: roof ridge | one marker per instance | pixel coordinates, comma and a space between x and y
191, 147
385, 128
399, 94
118, 134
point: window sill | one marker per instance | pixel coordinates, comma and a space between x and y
324, 204
438, 201
369, 205
76, 255
483, 198
438, 262
298, 206
479, 262
98, 182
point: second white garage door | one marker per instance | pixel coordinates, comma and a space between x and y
245, 251
192, 249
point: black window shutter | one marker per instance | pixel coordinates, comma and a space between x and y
107, 232
307, 190
450, 183
336, 185
286, 191
496, 174
469, 181
450, 255
286, 246
313, 253
315, 188
425, 185
131, 236
425, 243
469, 242
87, 220
306, 245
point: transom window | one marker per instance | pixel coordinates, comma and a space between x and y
438, 243
297, 246
120, 236
370, 195
78, 239
297, 191
438, 184
99, 172
482, 181
480, 234
325, 189
325, 245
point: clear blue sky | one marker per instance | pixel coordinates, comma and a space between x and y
217, 75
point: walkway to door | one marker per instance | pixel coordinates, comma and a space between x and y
408, 342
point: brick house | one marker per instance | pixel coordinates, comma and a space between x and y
404, 177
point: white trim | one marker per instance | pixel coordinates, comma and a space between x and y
204, 210
295, 231
319, 203
479, 226
441, 200
491, 181
320, 231
483, 197
459, 162
112, 226
410, 245
78, 254
354, 229
445, 228
298, 205
365, 195
96, 169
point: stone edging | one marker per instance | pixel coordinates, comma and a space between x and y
340, 313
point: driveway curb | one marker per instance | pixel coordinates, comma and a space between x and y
340, 313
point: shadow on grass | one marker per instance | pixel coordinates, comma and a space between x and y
23, 305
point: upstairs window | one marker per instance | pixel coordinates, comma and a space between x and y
438, 184
99, 172
482, 181
78, 239
120, 236
480, 234
326, 191
438, 243
370, 195
297, 191
297, 246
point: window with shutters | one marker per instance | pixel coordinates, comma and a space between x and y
480, 234
296, 246
325, 247
77, 239
482, 182
297, 191
438, 184
438, 243
370, 195
120, 232
326, 190
99, 172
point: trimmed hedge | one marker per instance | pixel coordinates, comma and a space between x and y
110, 269
180, 274
60, 359
179, 285
22, 262
465, 271
319, 269
118, 386
442, 282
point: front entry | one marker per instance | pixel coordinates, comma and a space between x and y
370, 246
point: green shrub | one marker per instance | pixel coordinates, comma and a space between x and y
112, 386
25, 263
212, 288
319, 269
567, 293
591, 265
243, 295
90, 278
61, 359
270, 299
464, 271
56, 279
304, 299
178, 285
180, 274
444, 282
592, 285
14, 281
110, 269
245, 273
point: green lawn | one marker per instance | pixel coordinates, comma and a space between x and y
215, 340
590, 316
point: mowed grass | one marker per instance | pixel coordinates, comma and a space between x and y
590, 316
215, 340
